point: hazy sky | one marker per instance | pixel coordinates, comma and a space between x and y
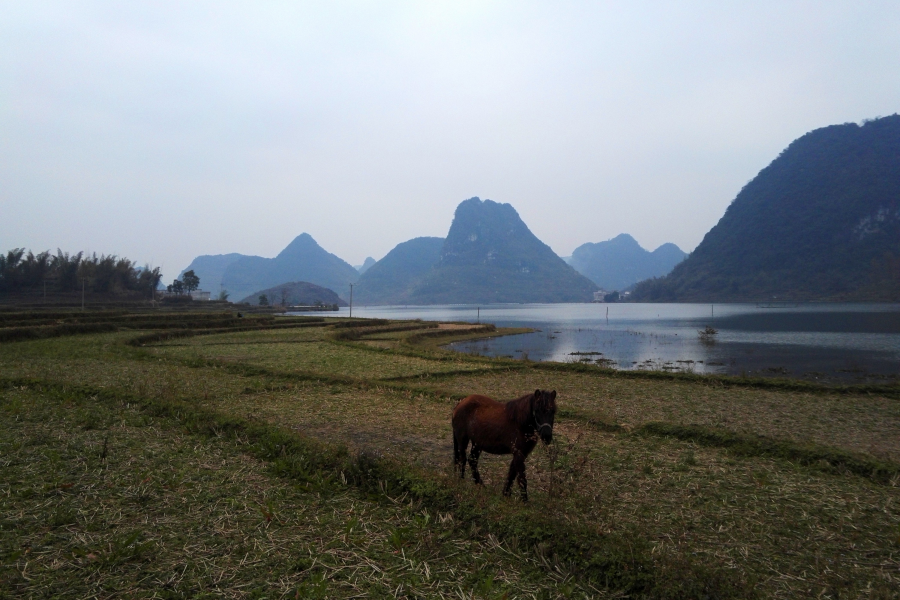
170, 129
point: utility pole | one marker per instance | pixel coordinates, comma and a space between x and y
82, 294
479, 314
351, 300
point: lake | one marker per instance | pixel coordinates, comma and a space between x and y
826, 342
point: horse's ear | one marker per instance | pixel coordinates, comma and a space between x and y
553, 395
537, 393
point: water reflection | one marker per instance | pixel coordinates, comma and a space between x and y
849, 342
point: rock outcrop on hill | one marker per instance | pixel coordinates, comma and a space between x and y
619, 263
821, 222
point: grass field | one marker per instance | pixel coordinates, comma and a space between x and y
314, 460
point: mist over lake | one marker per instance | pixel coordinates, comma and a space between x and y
825, 342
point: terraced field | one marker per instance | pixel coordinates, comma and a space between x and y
313, 459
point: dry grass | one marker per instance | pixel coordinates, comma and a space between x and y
786, 525
800, 533
865, 423
316, 356
796, 531
388, 422
255, 337
99, 501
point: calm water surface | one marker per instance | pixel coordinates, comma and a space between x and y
846, 342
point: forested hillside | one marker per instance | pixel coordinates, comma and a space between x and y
821, 222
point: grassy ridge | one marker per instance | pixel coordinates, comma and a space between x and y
756, 445
14, 334
19, 326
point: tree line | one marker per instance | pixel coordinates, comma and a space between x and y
184, 286
26, 272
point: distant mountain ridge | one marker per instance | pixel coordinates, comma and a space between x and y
210, 268
621, 262
489, 256
302, 260
821, 222
390, 280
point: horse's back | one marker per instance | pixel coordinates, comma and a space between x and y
483, 420
476, 406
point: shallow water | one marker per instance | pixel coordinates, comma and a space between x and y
844, 342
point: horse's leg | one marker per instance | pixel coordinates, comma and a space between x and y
523, 482
473, 462
459, 454
517, 464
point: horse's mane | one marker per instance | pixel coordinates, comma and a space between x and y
519, 410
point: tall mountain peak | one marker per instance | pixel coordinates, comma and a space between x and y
301, 244
485, 232
490, 255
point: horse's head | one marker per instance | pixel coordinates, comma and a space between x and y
544, 411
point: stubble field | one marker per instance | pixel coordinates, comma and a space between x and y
316, 460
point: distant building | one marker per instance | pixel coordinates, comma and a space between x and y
599, 295
200, 295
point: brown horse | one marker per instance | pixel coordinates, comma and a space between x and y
495, 428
